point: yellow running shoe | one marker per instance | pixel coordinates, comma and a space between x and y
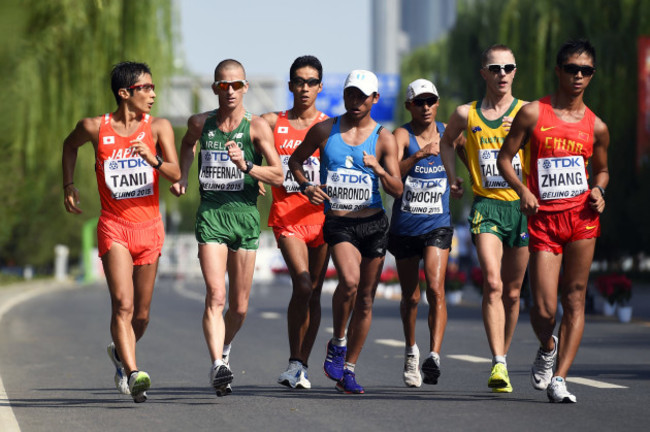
506, 389
499, 377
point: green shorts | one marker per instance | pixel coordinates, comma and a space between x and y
237, 228
504, 219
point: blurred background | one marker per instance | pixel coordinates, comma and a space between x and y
57, 56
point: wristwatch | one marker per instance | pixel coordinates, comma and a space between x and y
249, 167
602, 191
305, 185
160, 162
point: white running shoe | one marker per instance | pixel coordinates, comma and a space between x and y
557, 392
542, 370
121, 381
220, 379
139, 383
290, 377
412, 377
303, 380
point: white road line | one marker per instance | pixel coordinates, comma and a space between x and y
594, 383
270, 315
470, 358
179, 288
391, 342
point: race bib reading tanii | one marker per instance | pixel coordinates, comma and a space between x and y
219, 173
423, 196
311, 167
128, 178
561, 177
349, 189
490, 176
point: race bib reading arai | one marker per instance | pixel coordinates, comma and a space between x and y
311, 167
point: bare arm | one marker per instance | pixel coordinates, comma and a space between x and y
521, 128
405, 164
271, 118
86, 130
388, 171
457, 124
314, 140
164, 136
599, 170
188, 147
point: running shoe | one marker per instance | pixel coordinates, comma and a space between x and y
303, 380
506, 389
499, 376
557, 392
334, 361
348, 384
290, 377
542, 370
220, 378
411, 373
121, 381
431, 370
139, 383
226, 360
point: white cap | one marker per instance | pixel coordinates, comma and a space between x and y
364, 80
420, 86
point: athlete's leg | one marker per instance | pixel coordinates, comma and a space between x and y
318, 259
241, 266
513, 270
144, 278
362, 311
118, 268
408, 272
347, 260
490, 252
544, 271
212, 257
435, 266
577, 262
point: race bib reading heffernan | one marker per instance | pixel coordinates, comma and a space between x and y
349, 189
219, 173
561, 177
491, 178
128, 178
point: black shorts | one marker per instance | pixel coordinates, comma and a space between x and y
409, 246
366, 234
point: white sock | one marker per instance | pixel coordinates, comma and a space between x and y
499, 359
413, 350
226, 350
349, 366
340, 341
434, 355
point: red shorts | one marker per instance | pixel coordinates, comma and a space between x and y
144, 240
311, 235
550, 231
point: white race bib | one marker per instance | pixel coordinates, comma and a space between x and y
349, 189
311, 167
129, 177
490, 176
561, 177
423, 196
219, 173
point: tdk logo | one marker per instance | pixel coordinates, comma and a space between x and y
562, 163
127, 163
488, 154
354, 178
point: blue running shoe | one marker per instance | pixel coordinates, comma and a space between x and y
334, 361
348, 384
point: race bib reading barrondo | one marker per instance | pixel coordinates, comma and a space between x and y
423, 196
491, 178
129, 177
311, 167
219, 173
561, 177
349, 189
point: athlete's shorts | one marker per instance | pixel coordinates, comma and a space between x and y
144, 240
237, 228
551, 231
366, 234
311, 235
504, 219
409, 246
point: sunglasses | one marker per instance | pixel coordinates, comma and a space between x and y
299, 82
430, 101
236, 85
145, 87
496, 68
573, 69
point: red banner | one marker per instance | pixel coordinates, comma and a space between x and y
643, 121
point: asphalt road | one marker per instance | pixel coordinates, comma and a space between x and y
57, 376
